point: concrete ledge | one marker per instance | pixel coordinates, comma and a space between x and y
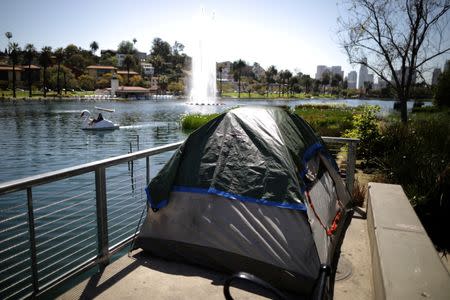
405, 263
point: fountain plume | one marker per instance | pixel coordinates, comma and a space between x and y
203, 81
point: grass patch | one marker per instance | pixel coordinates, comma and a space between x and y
272, 96
194, 121
23, 94
328, 119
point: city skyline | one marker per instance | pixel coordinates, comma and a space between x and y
286, 34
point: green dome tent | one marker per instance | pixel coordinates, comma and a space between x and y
253, 190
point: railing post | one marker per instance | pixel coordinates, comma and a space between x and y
102, 217
33, 256
147, 169
351, 166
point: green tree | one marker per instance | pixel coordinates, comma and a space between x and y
270, 77
67, 79
287, 75
307, 82
108, 60
220, 70
176, 88
86, 82
14, 55
126, 47
45, 59
29, 55
336, 80
59, 58
395, 39
293, 84
238, 67
163, 82
94, 47
129, 62
162, 48
325, 80
71, 50
442, 94
77, 63
161, 56
104, 81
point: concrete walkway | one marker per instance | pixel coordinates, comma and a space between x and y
355, 251
141, 277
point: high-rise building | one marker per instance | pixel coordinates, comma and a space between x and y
370, 78
447, 65
352, 80
363, 75
436, 73
320, 70
337, 70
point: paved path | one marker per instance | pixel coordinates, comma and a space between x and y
141, 277
356, 250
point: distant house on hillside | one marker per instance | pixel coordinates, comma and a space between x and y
124, 73
147, 69
132, 92
6, 73
98, 71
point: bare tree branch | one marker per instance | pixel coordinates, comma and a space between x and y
397, 37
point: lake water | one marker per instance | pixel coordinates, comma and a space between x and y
37, 137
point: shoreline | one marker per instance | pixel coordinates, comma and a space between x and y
181, 98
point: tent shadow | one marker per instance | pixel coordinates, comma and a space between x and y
190, 270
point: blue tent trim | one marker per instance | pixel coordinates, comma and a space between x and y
152, 204
294, 206
309, 153
232, 196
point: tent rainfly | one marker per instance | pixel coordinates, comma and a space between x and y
254, 190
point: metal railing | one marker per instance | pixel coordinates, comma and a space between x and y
61, 223
344, 152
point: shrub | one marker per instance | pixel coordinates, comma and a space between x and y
366, 129
86, 82
417, 156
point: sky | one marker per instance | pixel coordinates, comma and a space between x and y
297, 35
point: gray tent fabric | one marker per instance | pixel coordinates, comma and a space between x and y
253, 190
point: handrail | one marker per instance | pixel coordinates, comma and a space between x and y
20, 184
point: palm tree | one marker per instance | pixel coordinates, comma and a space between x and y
30, 53
128, 62
270, 75
59, 57
14, 51
45, 60
238, 67
220, 70
94, 47
134, 41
